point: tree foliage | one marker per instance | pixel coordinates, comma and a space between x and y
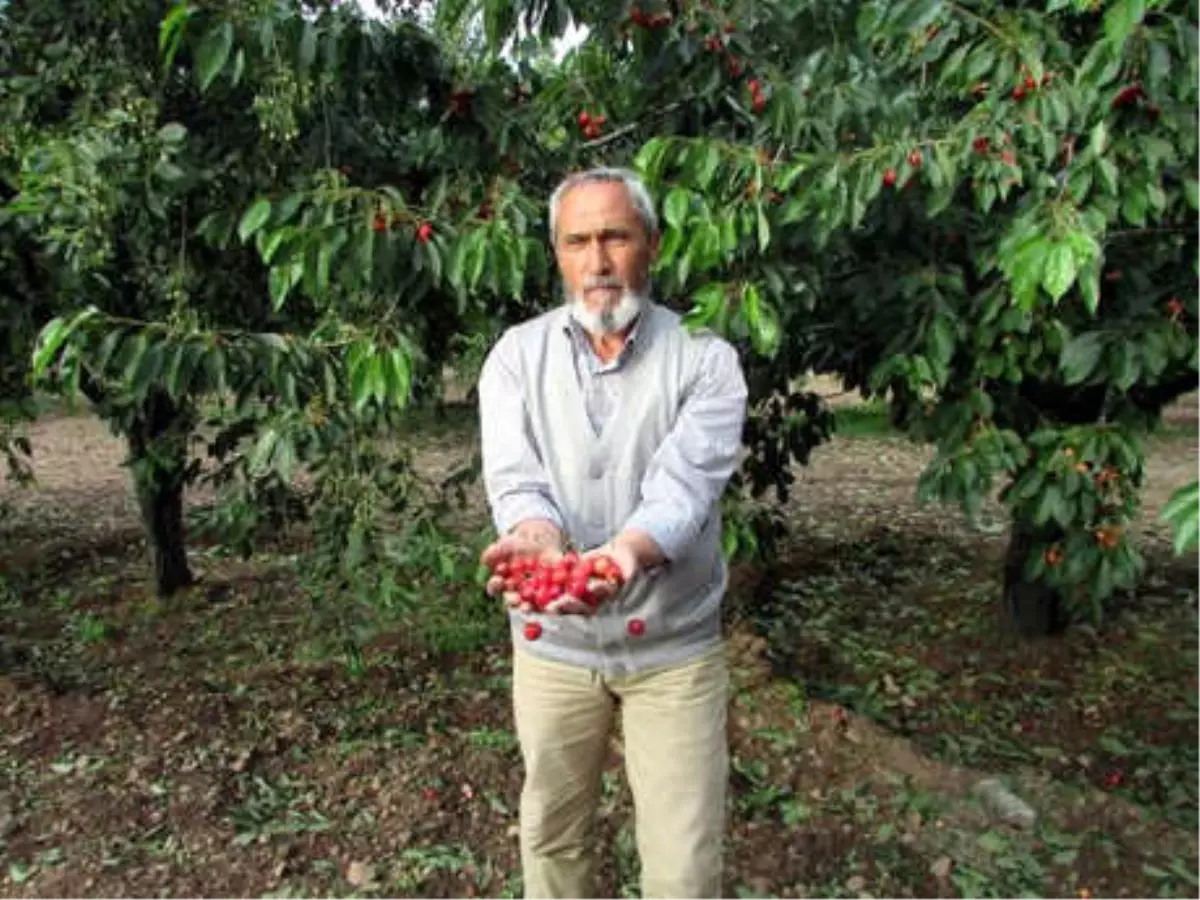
983, 212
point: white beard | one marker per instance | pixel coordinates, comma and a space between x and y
611, 319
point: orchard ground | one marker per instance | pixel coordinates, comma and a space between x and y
214, 745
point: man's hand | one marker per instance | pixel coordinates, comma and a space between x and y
624, 555
541, 541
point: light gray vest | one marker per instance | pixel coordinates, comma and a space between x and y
595, 482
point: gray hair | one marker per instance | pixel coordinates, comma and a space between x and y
638, 195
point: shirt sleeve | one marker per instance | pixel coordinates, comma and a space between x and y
513, 474
693, 465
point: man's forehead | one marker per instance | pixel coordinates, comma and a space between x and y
598, 220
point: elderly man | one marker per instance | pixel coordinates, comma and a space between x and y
609, 429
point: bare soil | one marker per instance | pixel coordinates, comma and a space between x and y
200, 747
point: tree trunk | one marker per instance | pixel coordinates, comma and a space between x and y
1034, 608
162, 518
158, 452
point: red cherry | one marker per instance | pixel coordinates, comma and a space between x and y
503, 569
511, 584
424, 232
570, 559
636, 627
1018, 93
1030, 82
533, 631
889, 177
584, 118
914, 159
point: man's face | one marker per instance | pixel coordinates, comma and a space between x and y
604, 254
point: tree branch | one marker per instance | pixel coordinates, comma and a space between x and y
1159, 395
632, 126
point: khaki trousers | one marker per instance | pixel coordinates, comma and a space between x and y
676, 759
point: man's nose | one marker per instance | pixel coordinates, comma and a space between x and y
599, 262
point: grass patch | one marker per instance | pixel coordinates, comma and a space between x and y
867, 419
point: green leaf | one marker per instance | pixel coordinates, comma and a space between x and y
678, 203
981, 62
400, 379
49, 340
1183, 513
213, 53
763, 321
1121, 18
650, 157
53, 336
172, 133
360, 371
1190, 191
706, 303
1181, 502
764, 228
1049, 505
377, 378
254, 218
264, 447
1080, 357
1060, 271
1089, 284
281, 280
941, 340
170, 32
708, 166
270, 243
175, 354
1108, 174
